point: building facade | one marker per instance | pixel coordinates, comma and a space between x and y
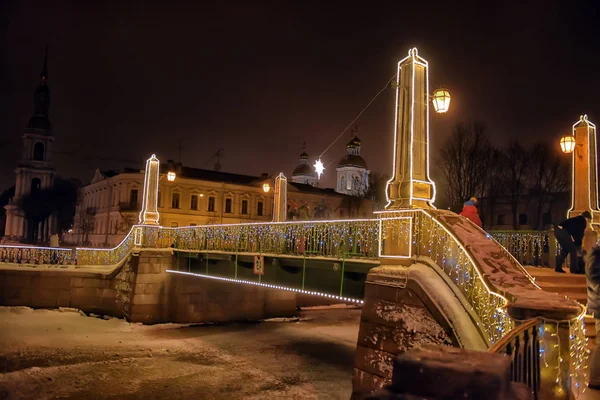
352, 172
111, 203
35, 170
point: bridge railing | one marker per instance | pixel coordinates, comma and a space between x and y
329, 239
435, 241
529, 247
522, 346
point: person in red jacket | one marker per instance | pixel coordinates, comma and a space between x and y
470, 211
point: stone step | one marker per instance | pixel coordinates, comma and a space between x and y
560, 287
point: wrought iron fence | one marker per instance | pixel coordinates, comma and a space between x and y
36, 255
522, 346
529, 247
331, 239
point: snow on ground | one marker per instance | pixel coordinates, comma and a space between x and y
50, 354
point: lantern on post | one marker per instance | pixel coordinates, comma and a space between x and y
567, 143
266, 187
171, 176
441, 100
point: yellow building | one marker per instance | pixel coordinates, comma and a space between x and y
111, 203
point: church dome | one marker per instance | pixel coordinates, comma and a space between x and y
303, 169
354, 143
352, 161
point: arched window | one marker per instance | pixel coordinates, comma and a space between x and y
36, 185
342, 182
38, 151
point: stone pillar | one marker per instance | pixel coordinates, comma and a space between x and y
149, 214
280, 202
410, 186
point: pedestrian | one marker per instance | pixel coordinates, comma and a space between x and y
469, 211
569, 235
592, 275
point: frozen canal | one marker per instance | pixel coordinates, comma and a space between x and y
52, 354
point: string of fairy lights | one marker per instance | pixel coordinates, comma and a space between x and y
527, 247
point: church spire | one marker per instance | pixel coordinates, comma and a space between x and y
44, 73
39, 121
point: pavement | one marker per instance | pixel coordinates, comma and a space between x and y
49, 354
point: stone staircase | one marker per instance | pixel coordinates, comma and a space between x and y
569, 285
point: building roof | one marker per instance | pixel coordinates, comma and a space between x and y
303, 169
214, 176
306, 188
351, 160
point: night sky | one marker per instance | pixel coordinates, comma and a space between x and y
257, 79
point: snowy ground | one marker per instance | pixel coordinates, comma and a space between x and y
49, 354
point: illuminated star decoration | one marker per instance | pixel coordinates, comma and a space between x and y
319, 168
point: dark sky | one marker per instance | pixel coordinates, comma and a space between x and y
131, 78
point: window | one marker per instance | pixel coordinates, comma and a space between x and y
522, 219
36, 185
211, 204
175, 200
133, 198
259, 208
228, 206
38, 151
174, 224
546, 219
501, 219
194, 202
244, 206
159, 201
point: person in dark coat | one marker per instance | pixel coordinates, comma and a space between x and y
569, 235
469, 211
592, 275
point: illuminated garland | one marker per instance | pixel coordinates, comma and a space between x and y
35, 255
435, 242
334, 239
526, 246
90, 256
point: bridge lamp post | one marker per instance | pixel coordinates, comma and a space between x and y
411, 186
582, 146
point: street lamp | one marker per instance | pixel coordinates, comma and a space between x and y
171, 176
266, 187
441, 100
567, 143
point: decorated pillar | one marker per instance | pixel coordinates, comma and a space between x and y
280, 202
149, 214
584, 191
411, 186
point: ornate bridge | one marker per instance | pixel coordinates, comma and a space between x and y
422, 275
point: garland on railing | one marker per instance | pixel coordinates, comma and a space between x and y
90, 256
336, 239
35, 255
526, 246
438, 244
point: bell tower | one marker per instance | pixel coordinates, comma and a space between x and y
35, 170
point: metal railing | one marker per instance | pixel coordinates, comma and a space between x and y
529, 247
522, 346
36, 255
329, 239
